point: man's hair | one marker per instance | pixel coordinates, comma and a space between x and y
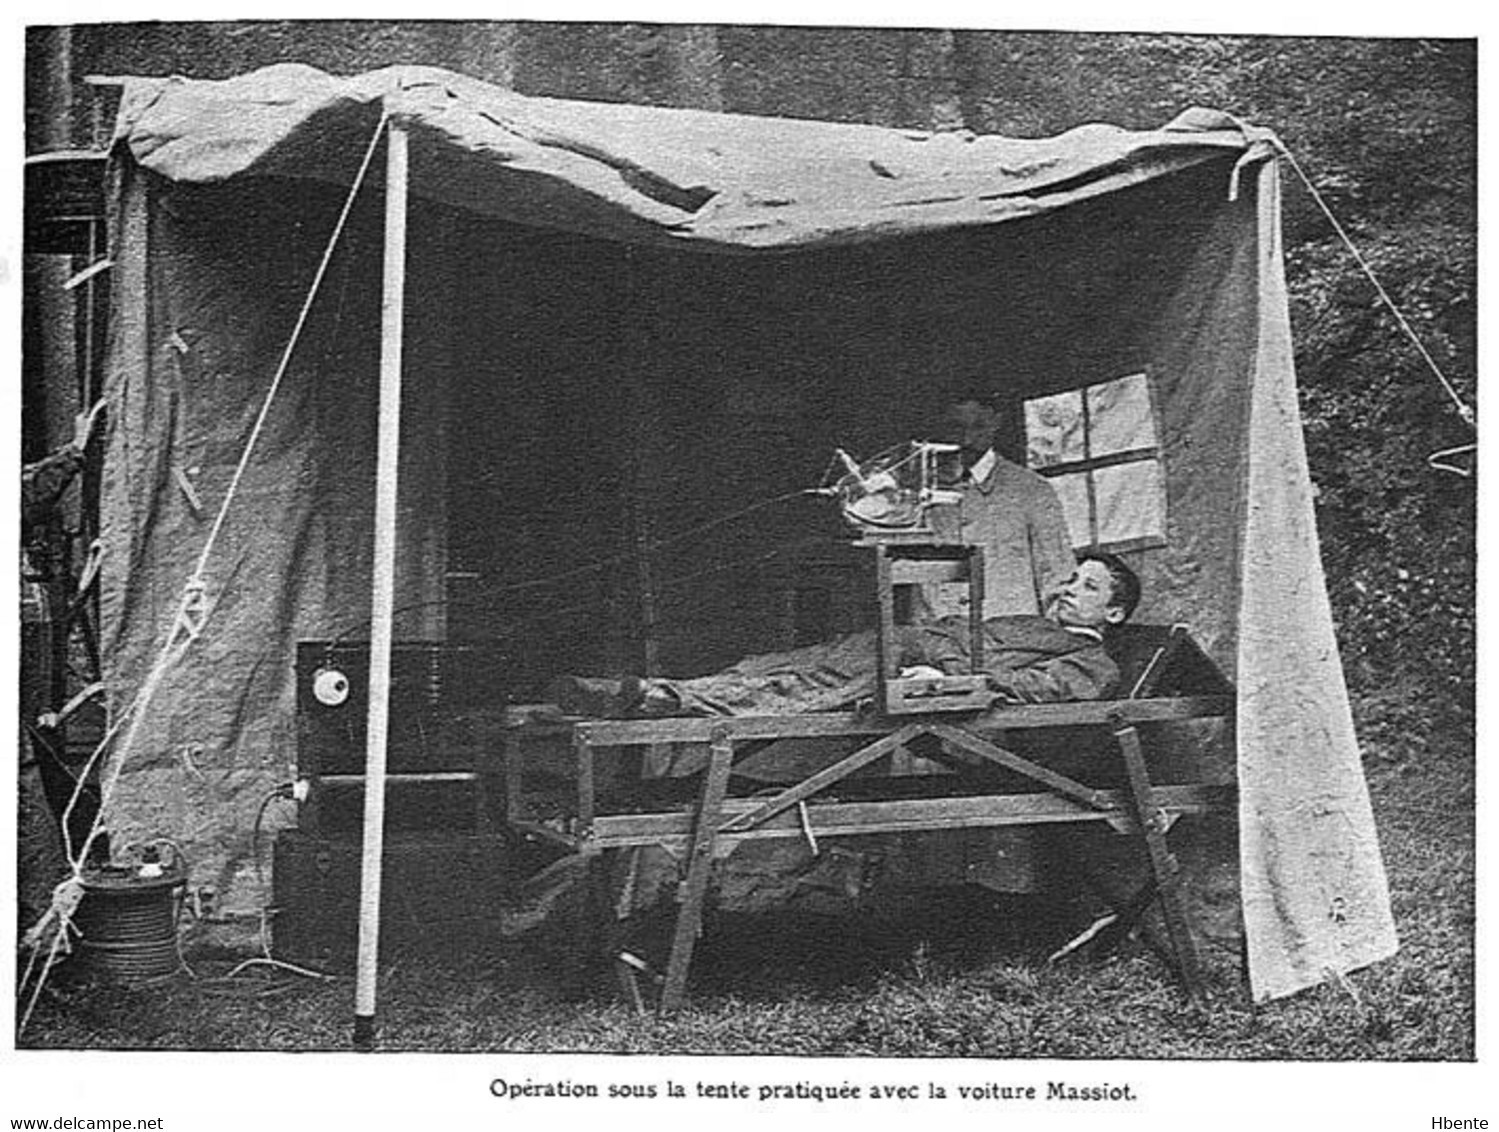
937, 418
1126, 587
993, 402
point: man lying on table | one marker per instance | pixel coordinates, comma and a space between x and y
1027, 659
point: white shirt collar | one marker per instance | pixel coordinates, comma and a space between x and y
982, 467
1084, 631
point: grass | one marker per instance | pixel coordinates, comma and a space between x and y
912, 989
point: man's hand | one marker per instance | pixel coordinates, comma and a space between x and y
1049, 599
920, 672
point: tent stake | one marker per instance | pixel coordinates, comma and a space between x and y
382, 595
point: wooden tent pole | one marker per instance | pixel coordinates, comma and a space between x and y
382, 596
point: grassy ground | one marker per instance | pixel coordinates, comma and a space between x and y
915, 989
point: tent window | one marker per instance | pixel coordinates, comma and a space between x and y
1098, 446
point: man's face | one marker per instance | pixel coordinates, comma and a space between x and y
1084, 600
972, 427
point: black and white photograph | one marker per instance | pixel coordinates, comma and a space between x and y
747, 568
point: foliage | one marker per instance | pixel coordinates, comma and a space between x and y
1386, 129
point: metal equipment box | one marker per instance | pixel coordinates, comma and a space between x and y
440, 894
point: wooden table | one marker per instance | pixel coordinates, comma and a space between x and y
716, 822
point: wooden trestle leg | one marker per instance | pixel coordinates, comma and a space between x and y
694, 889
1163, 864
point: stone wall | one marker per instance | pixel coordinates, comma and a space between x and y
906, 78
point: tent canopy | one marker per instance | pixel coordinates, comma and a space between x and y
579, 388
648, 174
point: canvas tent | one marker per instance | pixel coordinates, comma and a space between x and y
624, 322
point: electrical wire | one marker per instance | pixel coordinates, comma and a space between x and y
174, 645
279, 965
283, 792
595, 566
654, 545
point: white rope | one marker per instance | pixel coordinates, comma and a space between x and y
59, 943
1439, 460
134, 713
1464, 410
291, 345
187, 624
192, 612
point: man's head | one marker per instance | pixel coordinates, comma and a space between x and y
1102, 591
972, 423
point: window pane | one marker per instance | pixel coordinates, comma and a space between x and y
1131, 500
1119, 416
1072, 490
1054, 429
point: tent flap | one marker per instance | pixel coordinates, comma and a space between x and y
1316, 901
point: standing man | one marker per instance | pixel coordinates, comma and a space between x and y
1010, 511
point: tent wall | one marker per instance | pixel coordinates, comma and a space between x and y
535, 412
731, 380
214, 280
543, 368
570, 398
